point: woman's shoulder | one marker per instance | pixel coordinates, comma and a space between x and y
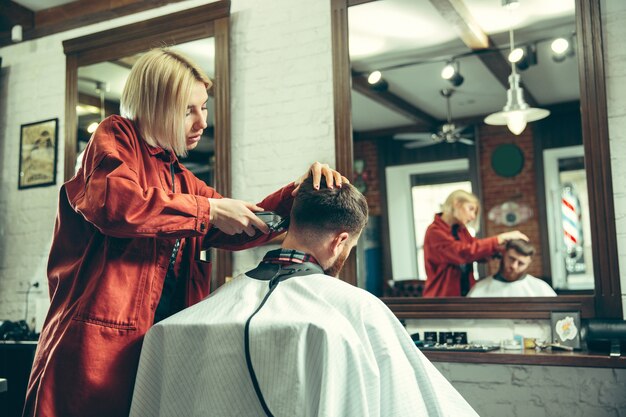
117, 123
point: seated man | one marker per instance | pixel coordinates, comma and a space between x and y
512, 280
288, 339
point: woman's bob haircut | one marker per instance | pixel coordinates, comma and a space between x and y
156, 96
459, 197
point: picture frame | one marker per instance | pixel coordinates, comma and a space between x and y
38, 154
565, 327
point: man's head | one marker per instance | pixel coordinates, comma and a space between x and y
327, 223
516, 259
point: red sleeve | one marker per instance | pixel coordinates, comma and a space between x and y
108, 194
279, 201
441, 247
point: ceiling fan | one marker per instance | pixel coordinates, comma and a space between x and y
447, 133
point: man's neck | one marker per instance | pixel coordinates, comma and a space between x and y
295, 244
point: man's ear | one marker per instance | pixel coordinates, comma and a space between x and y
338, 242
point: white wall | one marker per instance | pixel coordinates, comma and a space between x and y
282, 118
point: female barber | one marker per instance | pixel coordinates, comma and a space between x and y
450, 250
127, 240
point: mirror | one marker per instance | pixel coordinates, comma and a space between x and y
407, 112
98, 64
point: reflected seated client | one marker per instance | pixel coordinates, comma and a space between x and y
511, 280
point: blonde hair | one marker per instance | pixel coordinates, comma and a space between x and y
459, 196
156, 96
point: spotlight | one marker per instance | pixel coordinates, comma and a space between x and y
16, 33
516, 55
374, 77
523, 57
376, 81
561, 49
451, 73
92, 127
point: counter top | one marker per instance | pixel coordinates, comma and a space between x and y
531, 357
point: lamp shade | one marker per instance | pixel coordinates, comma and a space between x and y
516, 113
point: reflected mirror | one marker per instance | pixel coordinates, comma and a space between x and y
424, 77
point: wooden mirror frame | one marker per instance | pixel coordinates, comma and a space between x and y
606, 300
212, 20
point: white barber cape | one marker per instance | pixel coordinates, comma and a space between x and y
318, 346
528, 286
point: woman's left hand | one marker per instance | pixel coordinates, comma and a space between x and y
333, 178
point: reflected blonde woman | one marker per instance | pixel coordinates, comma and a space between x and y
450, 250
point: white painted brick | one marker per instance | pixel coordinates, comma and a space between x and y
612, 7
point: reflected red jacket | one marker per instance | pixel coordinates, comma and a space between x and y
443, 254
117, 223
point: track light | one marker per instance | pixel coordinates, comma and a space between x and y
451, 72
377, 82
16, 33
561, 49
523, 57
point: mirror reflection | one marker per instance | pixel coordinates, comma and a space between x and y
481, 97
100, 87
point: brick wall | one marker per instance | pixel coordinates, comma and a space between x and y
282, 111
519, 189
539, 391
367, 151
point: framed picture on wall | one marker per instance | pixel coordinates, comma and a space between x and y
38, 154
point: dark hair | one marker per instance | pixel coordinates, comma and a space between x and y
328, 209
521, 246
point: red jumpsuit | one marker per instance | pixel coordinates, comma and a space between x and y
443, 254
117, 223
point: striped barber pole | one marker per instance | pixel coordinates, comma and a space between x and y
571, 219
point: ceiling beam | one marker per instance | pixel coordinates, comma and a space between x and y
77, 14
393, 102
456, 13
12, 14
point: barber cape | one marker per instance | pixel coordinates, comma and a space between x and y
318, 346
528, 286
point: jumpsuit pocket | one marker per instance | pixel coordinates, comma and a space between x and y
115, 287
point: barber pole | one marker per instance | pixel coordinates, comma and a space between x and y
571, 224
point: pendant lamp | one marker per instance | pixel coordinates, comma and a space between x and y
516, 113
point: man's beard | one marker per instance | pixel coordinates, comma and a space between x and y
336, 267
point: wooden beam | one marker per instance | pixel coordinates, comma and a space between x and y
456, 13
12, 14
80, 13
393, 102
458, 16
374, 134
